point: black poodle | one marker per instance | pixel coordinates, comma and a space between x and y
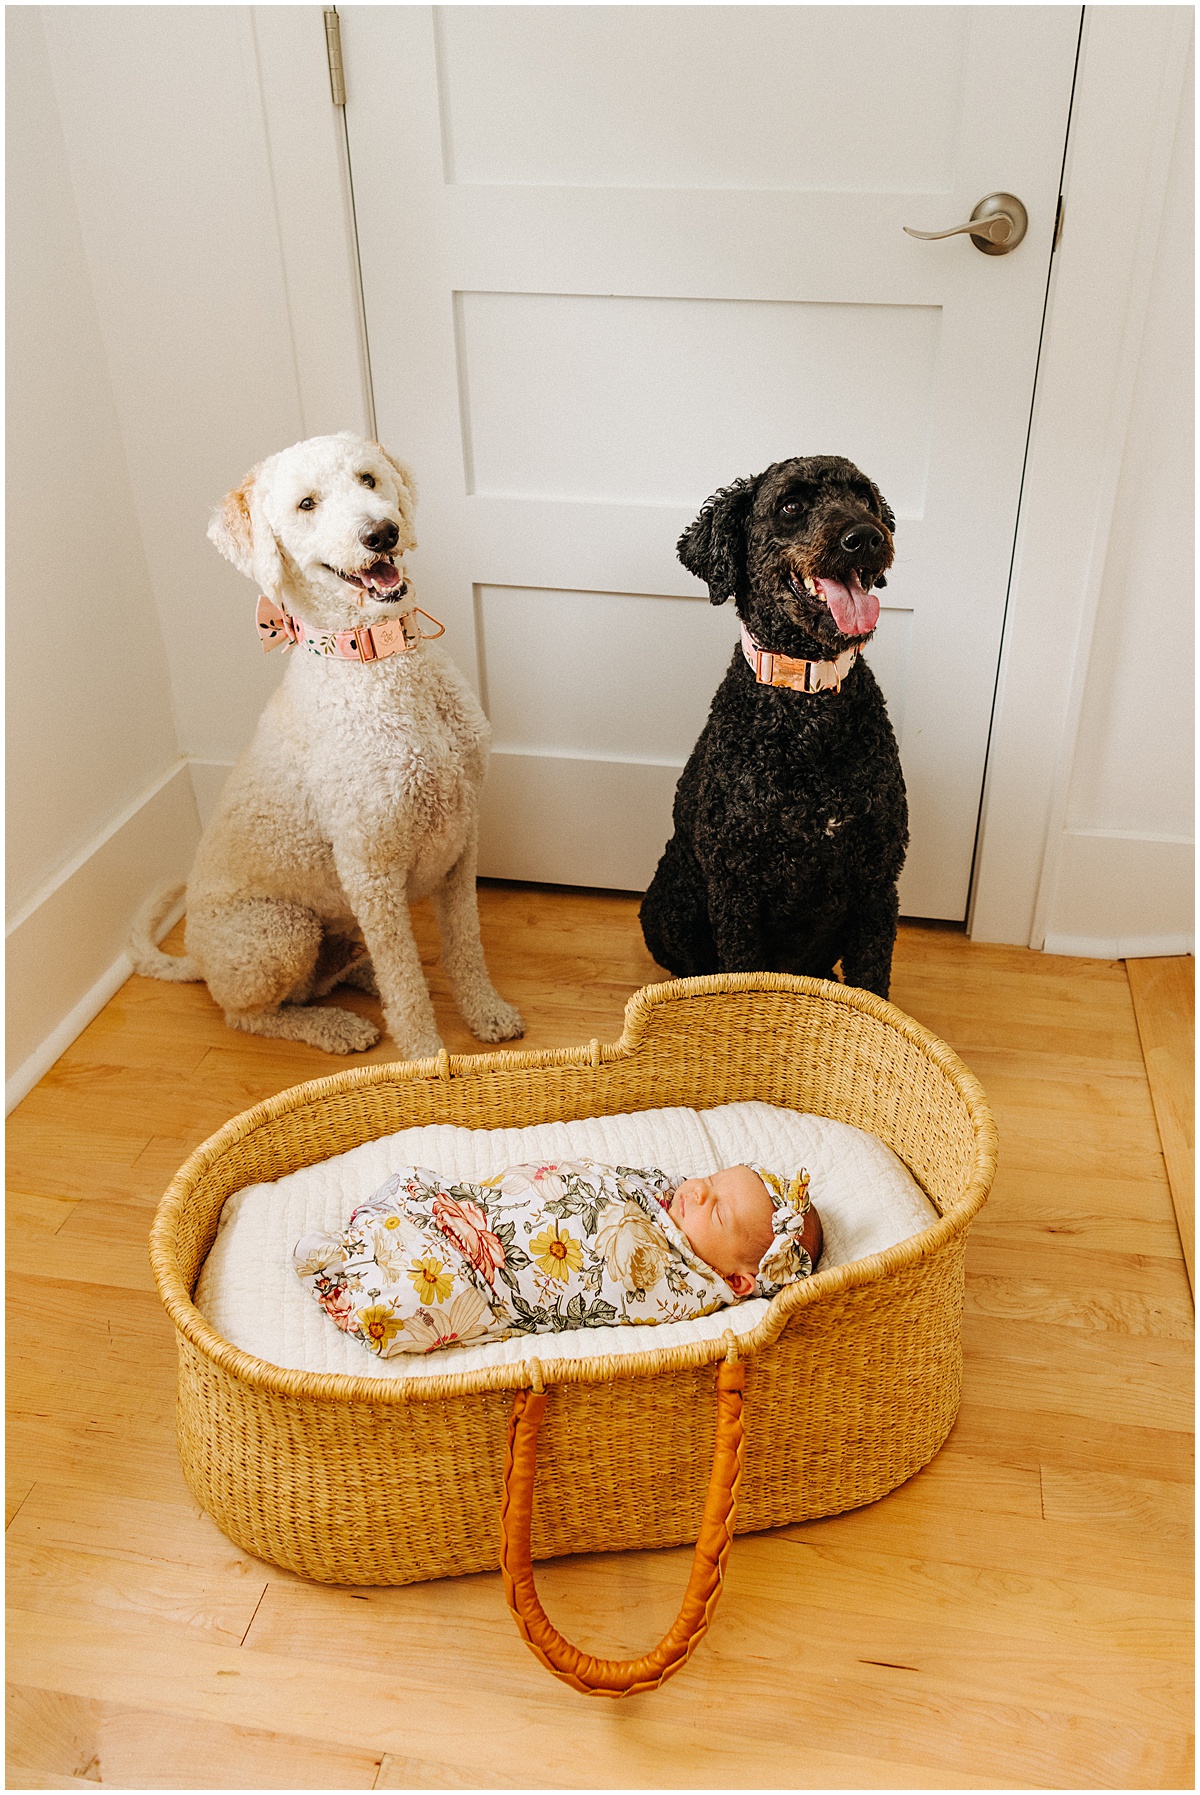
790, 817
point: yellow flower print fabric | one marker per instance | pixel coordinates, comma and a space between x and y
535, 1250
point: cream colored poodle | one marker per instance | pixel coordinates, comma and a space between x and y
359, 792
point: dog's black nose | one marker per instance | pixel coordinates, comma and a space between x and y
861, 539
381, 537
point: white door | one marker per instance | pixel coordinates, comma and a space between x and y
617, 257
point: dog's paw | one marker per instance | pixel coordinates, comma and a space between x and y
341, 1031
425, 1047
499, 1022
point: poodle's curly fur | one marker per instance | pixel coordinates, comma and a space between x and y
790, 817
359, 792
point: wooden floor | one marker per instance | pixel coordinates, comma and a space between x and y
1017, 1616
1164, 1002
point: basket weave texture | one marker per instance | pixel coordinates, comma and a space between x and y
852, 1376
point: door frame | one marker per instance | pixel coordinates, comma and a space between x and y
1133, 63
1132, 66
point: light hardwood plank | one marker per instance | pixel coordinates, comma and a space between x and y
17, 1493
1016, 1298
954, 1481
1010, 1362
557, 1741
1035, 1437
55, 1162
120, 1328
1132, 1217
22, 1776
1077, 1264
143, 1598
98, 1457
102, 1242
137, 1529
28, 1212
781, 1606
1137, 1506
1043, 1546
135, 1748
396, 1772
808, 1770
1164, 1001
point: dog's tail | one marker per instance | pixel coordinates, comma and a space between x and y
148, 958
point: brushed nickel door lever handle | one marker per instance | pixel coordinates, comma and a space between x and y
996, 226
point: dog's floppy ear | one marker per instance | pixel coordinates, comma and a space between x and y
230, 530
714, 546
407, 494
239, 528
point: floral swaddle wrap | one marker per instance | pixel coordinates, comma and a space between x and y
536, 1249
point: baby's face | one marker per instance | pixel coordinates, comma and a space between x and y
727, 1220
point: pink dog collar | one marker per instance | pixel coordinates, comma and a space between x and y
373, 642
802, 676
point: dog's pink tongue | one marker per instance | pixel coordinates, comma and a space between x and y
383, 575
854, 611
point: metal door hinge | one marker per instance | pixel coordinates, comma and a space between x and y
333, 52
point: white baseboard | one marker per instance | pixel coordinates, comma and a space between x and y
65, 948
73, 1025
1121, 896
1121, 947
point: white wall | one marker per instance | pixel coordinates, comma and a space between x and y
91, 736
214, 365
1124, 881
182, 302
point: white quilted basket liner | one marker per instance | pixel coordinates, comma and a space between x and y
249, 1293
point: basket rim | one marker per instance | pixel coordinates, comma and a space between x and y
606, 1368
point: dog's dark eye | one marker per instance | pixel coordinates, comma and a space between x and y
791, 508
368, 480
309, 504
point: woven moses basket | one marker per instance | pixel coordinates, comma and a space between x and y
850, 1382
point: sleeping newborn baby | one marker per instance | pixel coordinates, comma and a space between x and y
541, 1248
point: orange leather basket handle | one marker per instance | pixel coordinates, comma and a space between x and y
614, 1676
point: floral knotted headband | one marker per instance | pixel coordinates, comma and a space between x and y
786, 1259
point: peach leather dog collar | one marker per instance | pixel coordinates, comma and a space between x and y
373, 642
802, 676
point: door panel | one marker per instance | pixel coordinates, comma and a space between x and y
728, 97
647, 401
540, 704
617, 257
